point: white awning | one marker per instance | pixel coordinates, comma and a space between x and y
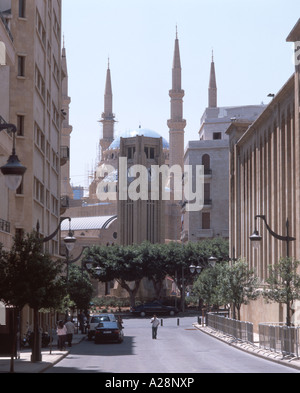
86, 223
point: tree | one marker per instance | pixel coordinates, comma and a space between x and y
207, 286
79, 288
238, 285
30, 277
121, 263
283, 284
154, 261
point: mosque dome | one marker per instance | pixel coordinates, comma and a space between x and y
140, 131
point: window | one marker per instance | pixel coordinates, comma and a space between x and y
205, 220
38, 191
39, 138
130, 153
22, 8
20, 189
206, 164
20, 125
39, 82
207, 200
21, 65
40, 28
217, 135
149, 151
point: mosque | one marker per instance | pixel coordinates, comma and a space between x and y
125, 221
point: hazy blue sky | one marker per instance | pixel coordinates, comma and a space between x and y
252, 59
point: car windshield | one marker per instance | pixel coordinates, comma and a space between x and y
98, 319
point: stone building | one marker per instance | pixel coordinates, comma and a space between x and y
31, 98
212, 151
264, 180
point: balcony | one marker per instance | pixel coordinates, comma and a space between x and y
64, 155
64, 204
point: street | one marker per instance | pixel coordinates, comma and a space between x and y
177, 349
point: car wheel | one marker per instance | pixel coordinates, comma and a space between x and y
143, 314
172, 313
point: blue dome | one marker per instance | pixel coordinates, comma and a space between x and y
133, 133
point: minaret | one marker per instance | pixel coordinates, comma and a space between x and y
176, 124
176, 144
108, 118
212, 89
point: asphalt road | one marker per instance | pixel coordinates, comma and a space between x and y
177, 349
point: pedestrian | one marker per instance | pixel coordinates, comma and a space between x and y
120, 322
70, 331
61, 336
81, 322
155, 323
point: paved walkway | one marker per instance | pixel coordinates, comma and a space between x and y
24, 364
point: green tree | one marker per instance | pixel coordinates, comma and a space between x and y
283, 284
207, 286
30, 277
238, 285
79, 288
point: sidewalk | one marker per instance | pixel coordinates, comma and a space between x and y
254, 348
24, 365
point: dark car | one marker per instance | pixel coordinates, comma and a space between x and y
153, 308
108, 331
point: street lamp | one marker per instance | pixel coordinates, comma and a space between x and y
255, 238
13, 170
36, 349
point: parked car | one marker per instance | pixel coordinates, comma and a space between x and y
108, 331
95, 320
153, 308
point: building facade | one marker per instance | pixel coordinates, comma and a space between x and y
212, 151
32, 81
264, 180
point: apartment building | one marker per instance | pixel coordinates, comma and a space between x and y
33, 102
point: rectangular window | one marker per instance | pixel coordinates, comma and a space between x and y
217, 135
205, 220
22, 8
21, 65
20, 125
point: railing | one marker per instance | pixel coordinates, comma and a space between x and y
239, 330
279, 338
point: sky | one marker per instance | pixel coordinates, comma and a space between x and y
248, 39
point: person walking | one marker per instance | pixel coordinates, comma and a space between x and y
70, 331
61, 336
155, 323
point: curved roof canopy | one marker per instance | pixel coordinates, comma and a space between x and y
86, 223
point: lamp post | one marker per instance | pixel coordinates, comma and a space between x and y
36, 349
13, 170
198, 269
255, 238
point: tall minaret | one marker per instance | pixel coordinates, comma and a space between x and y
212, 89
176, 124
108, 118
176, 141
